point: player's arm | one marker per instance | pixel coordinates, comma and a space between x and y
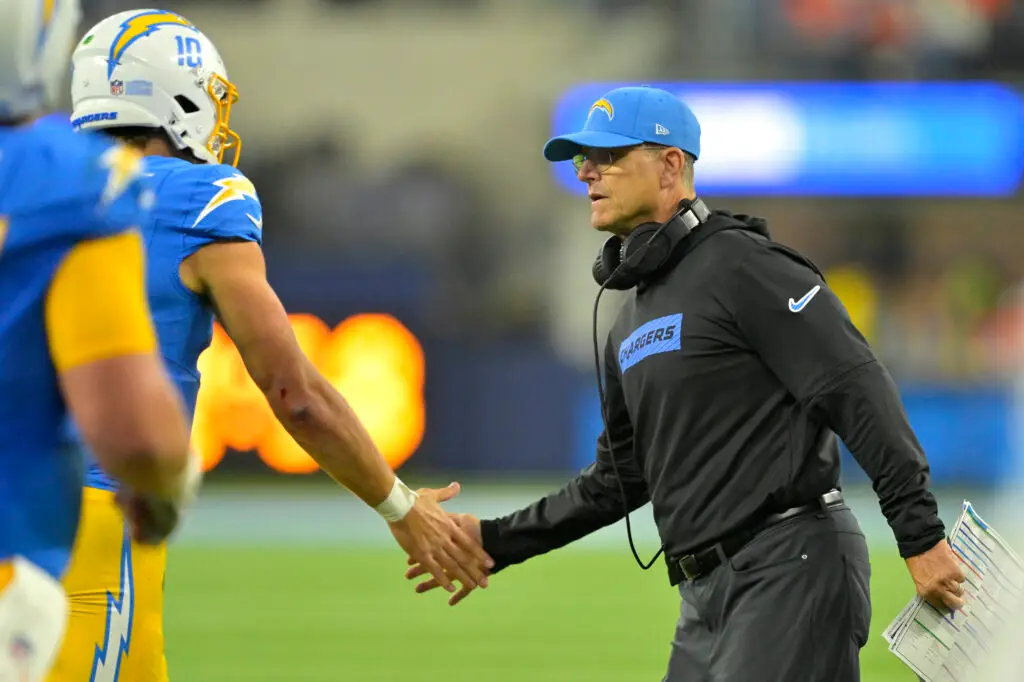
104, 349
232, 274
592, 500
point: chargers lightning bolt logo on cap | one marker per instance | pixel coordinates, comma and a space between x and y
602, 105
138, 26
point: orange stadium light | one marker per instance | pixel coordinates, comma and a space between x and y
372, 359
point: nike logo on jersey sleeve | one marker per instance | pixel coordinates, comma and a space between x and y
797, 306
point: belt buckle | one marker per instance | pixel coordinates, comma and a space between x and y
831, 497
689, 566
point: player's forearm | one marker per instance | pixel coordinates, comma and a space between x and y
141, 437
865, 410
588, 503
324, 424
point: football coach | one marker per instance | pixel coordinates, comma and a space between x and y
728, 373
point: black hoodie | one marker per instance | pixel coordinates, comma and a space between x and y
727, 379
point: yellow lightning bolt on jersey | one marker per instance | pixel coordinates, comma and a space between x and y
124, 165
235, 188
3, 232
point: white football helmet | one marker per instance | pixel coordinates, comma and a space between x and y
35, 39
154, 69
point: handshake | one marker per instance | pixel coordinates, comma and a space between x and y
447, 547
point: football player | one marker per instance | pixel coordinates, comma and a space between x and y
153, 80
75, 337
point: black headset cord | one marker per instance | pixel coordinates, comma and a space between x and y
600, 392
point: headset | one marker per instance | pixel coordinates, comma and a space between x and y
623, 264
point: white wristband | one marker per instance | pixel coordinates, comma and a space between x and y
398, 503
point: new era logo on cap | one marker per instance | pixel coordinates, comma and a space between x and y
630, 116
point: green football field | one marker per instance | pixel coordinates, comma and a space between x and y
336, 614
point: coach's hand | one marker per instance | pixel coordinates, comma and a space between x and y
938, 576
471, 526
431, 537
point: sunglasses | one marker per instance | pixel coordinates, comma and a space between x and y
605, 157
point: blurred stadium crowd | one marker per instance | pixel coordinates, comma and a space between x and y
396, 147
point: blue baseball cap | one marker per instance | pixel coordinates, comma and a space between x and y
630, 116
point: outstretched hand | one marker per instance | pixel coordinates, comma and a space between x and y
470, 525
439, 545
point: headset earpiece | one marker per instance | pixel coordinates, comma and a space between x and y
648, 248
623, 264
607, 261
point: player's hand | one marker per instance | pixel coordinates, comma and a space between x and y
938, 576
469, 524
432, 538
150, 520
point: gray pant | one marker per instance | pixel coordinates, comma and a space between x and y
791, 606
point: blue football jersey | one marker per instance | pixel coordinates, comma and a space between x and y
195, 205
58, 190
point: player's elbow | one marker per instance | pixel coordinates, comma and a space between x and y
290, 389
296, 402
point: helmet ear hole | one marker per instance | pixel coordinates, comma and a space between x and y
187, 105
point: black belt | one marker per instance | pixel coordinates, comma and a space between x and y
701, 562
